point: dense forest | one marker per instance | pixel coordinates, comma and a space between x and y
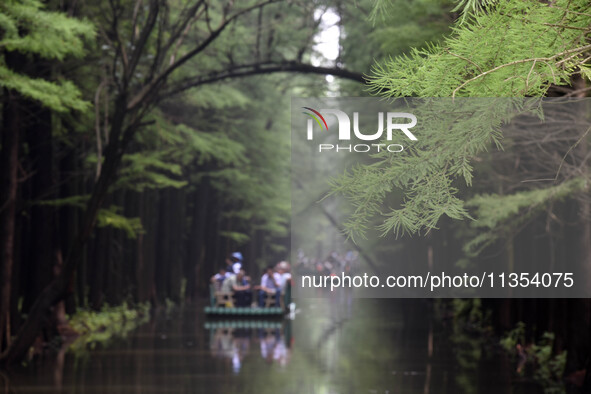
130, 169
143, 141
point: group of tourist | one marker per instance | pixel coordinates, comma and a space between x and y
232, 278
334, 263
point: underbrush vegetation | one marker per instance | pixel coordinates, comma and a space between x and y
100, 327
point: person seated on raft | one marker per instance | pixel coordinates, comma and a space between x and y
283, 268
219, 278
236, 261
270, 285
240, 286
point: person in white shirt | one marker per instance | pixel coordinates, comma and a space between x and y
236, 261
219, 278
270, 285
283, 269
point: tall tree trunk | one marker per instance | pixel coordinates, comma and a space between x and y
579, 344
41, 261
69, 217
146, 257
58, 287
197, 245
177, 246
99, 259
8, 195
163, 247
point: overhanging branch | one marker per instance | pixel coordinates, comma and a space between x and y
257, 69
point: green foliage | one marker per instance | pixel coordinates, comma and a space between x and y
380, 10
28, 29
585, 71
470, 311
492, 209
51, 35
100, 327
107, 217
510, 49
169, 306
218, 97
472, 7
548, 368
470, 333
377, 30
59, 96
516, 49
413, 24
110, 217
148, 170
250, 160
452, 133
237, 237
73, 201
500, 215
514, 337
210, 146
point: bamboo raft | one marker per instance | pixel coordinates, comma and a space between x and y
222, 304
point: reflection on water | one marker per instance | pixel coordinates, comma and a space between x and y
233, 340
337, 345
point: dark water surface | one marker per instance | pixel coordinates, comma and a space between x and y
349, 346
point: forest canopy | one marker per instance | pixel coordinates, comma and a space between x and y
143, 141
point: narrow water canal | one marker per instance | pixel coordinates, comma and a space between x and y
349, 346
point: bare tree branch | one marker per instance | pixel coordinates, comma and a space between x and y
120, 45
149, 88
144, 35
257, 69
97, 125
136, 9
183, 35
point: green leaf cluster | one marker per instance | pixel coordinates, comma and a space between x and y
430, 171
499, 215
516, 49
110, 217
26, 28
495, 56
99, 327
548, 366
